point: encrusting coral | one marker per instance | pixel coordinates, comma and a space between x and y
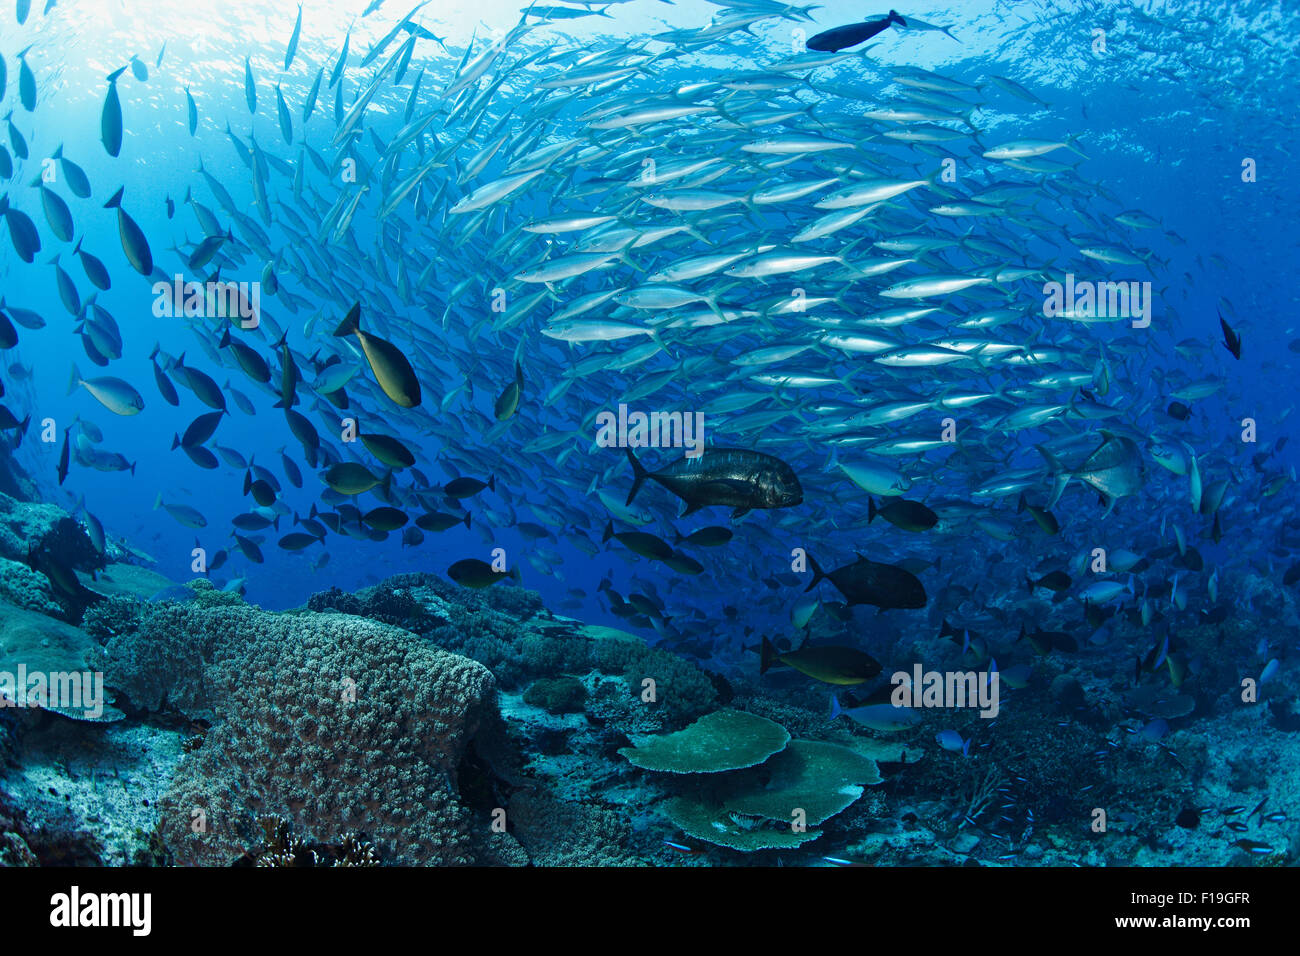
333, 723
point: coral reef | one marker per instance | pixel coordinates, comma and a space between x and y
335, 724
559, 695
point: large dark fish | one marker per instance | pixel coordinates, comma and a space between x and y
869, 582
840, 38
733, 477
829, 664
110, 119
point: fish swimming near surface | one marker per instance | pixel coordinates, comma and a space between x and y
841, 38
731, 477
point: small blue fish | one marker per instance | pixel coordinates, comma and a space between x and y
952, 741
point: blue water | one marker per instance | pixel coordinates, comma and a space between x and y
1184, 94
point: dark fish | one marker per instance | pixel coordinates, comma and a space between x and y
165, 386
1252, 846
293, 39
440, 521
385, 518
1179, 411
473, 573
8, 334
507, 402
1189, 818
683, 563
391, 368
75, 176
95, 270
467, 487
199, 430
22, 231
731, 477
261, 489
642, 542
1042, 517
1053, 581
840, 38
901, 513
134, 243
351, 478
250, 88
1044, 642
388, 450
249, 549
869, 582
16, 140
63, 459
1231, 340
138, 69
710, 537
110, 118
844, 666
26, 82
291, 470
296, 541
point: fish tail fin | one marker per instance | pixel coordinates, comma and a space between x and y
351, 322
609, 532
1071, 143
492, 482
157, 502
116, 201
895, 18
639, 475
74, 379
58, 153
1060, 477
1029, 583
872, 510
468, 516
836, 709
176, 441
133, 464
818, 574
223, 343
112, 77
767, 653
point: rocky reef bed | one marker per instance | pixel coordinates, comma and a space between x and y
417, 722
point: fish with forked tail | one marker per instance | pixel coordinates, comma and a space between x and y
841, 38
733, 477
